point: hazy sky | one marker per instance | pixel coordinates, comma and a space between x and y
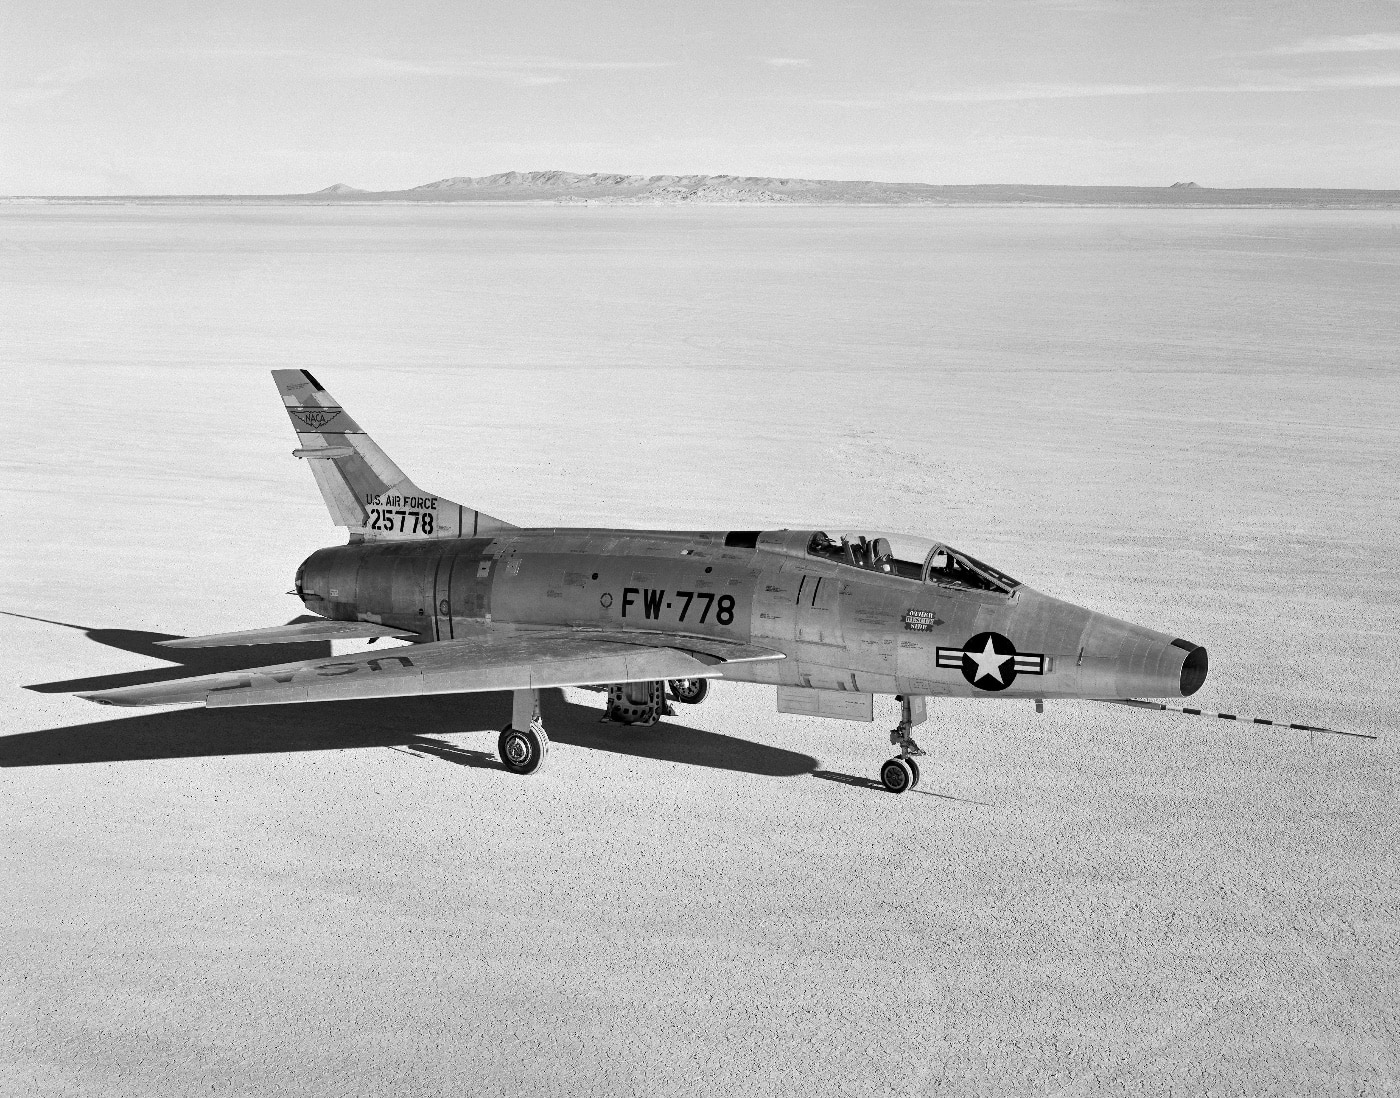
292, 95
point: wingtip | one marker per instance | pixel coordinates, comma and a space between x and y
118, 698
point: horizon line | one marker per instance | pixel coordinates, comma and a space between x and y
343, 190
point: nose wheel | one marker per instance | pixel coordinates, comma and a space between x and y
901, 773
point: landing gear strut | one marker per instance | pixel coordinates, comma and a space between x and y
901, 773
523, 744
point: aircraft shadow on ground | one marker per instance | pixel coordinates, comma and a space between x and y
188, 661
333, 726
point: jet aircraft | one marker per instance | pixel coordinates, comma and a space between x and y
829, 617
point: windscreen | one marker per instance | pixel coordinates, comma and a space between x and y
951, 568
910, 557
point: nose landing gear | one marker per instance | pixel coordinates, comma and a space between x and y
901, 773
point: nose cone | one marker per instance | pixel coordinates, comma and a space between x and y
1122, 660
1194, 668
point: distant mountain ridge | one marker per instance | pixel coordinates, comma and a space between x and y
576, 188
620, 189
609, 187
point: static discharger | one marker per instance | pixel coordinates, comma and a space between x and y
1190, 712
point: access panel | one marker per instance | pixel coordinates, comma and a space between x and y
841, 705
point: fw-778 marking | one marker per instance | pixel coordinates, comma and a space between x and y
651, 603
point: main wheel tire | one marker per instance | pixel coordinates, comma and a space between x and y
914, 767
897, 776
690, 691
522, 752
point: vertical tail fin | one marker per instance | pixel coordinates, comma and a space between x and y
364, 490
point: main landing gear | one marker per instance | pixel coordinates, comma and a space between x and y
690, 691
523, 743
901, 773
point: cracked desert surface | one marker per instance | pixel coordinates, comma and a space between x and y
1184, 418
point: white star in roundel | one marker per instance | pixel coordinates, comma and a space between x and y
989, 662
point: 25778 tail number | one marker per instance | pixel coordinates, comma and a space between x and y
400, 521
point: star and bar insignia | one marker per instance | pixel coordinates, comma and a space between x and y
990, 661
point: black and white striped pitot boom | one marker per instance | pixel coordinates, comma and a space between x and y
1192, 712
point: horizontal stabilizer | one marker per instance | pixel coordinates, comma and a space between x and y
299, 633
494, 662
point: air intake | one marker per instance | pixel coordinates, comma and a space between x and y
1193, 671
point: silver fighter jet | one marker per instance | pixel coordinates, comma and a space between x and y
829, 617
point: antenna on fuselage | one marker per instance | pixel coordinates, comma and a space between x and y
1190, 712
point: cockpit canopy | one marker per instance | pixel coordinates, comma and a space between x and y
912, 558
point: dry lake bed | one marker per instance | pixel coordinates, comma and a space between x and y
1184, 418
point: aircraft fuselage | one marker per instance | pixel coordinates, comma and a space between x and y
841, 626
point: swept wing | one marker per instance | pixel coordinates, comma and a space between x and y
298, 633
513, 662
